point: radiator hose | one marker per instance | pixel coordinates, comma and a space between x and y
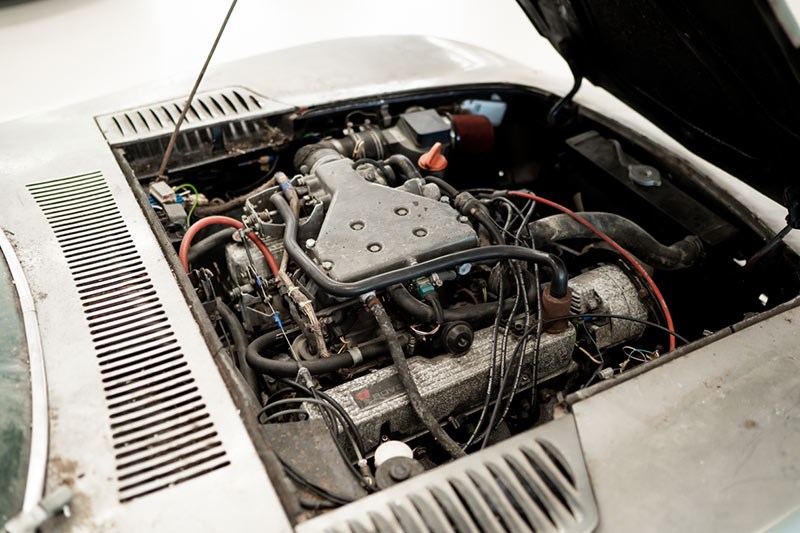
627, 233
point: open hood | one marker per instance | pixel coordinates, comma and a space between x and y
721, 77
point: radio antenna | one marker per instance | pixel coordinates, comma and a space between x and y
162, 170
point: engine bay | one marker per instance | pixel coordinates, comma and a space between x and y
404, 280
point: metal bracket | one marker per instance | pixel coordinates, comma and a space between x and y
643, 175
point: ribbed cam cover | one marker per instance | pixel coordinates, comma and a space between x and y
536, 481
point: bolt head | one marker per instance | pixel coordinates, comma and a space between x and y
310, 243
463, 219
327, 265
399, 471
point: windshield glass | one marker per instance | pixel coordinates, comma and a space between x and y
15, 399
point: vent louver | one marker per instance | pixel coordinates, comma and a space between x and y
525, 484
162, 433
207, 109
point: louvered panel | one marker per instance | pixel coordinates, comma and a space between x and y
208, 109
161, 430
534, 482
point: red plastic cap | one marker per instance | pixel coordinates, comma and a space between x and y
433, 160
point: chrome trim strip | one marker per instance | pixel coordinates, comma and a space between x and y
40, 420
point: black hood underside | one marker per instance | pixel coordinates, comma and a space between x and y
720, 76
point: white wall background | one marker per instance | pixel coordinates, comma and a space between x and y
57, 52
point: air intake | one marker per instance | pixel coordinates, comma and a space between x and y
535, 482
161, 430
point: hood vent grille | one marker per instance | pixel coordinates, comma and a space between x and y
524, 484
207, 109
162, 433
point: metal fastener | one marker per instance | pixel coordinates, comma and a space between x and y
399, 471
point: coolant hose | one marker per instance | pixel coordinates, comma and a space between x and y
289, 369
186, 242
236, 330
404, 373
627, 233
558, 283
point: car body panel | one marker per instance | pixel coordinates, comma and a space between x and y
240, 496
81, 454
721, 77
705, 442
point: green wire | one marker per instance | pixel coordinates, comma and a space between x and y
194, 202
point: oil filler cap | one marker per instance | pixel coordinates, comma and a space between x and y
433, 160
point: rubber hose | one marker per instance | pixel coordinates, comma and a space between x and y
202, 247
485, 220
404, 166
558, 283
387, 171
472, 313
448, 189
404, 373
234, 326
470, 206
186, 242
288, 369
627, 233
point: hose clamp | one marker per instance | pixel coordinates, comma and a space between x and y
355, 353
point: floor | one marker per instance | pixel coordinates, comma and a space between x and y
57, 52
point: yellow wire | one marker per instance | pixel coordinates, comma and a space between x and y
590, 356
194, 202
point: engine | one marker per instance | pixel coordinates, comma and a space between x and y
393, 292
474, 309
363, 225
